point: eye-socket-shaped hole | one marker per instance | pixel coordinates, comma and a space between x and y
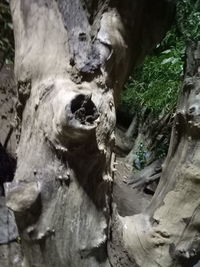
84, 109
192, 109
82, 36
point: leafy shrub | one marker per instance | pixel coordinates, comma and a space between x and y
155, 85
188, 19
6, 34
142, 156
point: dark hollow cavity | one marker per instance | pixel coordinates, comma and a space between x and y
84, 109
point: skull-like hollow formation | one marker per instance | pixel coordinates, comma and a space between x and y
75, 116
78, 114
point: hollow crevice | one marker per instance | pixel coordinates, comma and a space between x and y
84, 109
7, 168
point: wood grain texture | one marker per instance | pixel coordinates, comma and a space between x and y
71, 61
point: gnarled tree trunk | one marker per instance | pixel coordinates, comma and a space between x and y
71, 60
166, 232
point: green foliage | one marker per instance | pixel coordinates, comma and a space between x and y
156, 84
6, 33
141, 160
162, 149
188, 18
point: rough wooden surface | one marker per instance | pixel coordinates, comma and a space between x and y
167, 232
71, 60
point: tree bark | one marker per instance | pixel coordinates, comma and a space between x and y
132, 127
10, 251
152, 133
166, 233
69, 57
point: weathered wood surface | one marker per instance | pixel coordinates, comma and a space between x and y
71, 61
10, 251
166, 233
